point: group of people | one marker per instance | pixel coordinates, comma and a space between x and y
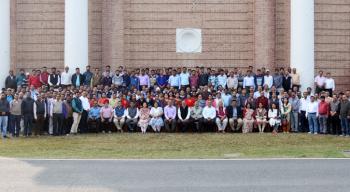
170, 100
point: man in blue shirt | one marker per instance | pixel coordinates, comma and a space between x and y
88, 76
94, 116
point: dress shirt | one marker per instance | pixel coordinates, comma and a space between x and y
170, 112
209, 112
248, 81
85, 103
184, 79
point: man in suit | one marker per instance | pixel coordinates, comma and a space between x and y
77, 78
234, 114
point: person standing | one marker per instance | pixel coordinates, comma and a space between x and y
248, 81
54, 79
320, 82
88, 76
27, 108
170, 116
15, 110
4, 113
77, 78
184, 78
268, 79
295, 79
119, 116
323, 113
329, 84
77, 108
295, 103
286, 109
334, 121
144, 79
96, 79
287, 81
86, 108
312, 115
344, 114
303, 106
57, 115
39, 114
66, 78
10, 81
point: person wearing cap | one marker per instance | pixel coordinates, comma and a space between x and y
312, 115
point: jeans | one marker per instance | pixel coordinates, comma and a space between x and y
15, 124
323, 123
313, 125
3, 125
294, 121
344, 125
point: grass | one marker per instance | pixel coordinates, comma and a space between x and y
150, 146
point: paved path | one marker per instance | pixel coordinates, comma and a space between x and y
312, 175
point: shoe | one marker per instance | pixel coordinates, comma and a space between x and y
309, 132
316, 133
109, 132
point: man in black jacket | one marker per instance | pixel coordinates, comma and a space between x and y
4, 113
77, 78
27, 108
10, 81
234, 115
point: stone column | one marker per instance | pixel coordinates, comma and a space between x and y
76, 34
5, 62
113, 33
302, 41
264, 33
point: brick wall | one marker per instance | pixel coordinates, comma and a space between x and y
282, 38
332, 40
37, 33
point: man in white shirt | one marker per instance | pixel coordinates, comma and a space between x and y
329, 84
86, 108
319, 82
312, 115
248, 81
268, 79
232, 81
184, 78
174, 80
302, 111
222, 79
66, 77
209, 115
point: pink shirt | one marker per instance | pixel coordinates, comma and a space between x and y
106, 112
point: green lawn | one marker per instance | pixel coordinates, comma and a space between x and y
151, 145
